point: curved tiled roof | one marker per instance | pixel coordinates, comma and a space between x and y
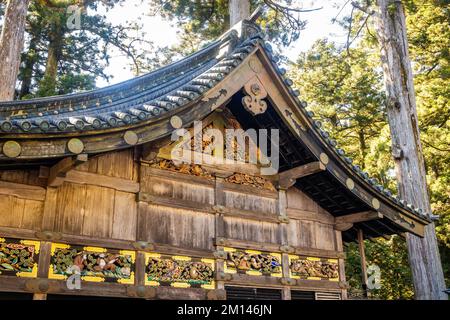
332, 144
149, 97
130, 102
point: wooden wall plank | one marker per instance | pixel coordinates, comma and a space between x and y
249, 202
125, 216
23, 191
98, 212
176, 227
32, 215
70, 208
242, 229
11, 211
325, 238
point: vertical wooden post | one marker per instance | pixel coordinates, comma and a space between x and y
341, 262
43, 266
423, 252
140, 268
219, 200
282, 211
362, 254
11, 44
239, 10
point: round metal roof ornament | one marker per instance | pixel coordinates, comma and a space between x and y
375, 203
75, 145
350, 184
324, 158
176, 122
131, 137
12, 149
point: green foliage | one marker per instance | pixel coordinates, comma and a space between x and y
428, 24
59, 59
344, 89
206, 20
345, 86
392, 259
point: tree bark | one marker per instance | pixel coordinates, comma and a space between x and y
239, 10
11, 45
30, 61
47, 86
424, 257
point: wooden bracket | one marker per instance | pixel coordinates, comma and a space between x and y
141, 292
288, 281
57, 173
219, 209
221, 242
283, 219
343, 226
143, 245
288, 178
37, 285
357, 217
255, 93
144, 197
222, 276
287, 249
216, 294
48, 235
220, 255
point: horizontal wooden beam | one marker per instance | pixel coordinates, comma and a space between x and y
358, 217
207, 208
101, 289
57, 173
288, 178
23, 191
272, 247
95, 179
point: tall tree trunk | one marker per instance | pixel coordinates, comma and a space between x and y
31, 59
11, 45
239, 10
407, 150
47, 86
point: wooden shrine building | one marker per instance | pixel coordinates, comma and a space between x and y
93, 204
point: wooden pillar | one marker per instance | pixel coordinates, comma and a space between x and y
219, 200
239, 10
341, 262
43, 266
362, 254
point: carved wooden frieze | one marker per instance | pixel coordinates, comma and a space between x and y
313, 268
92, 264
19, 257
249, 180
179, 271
253, 262
191, 169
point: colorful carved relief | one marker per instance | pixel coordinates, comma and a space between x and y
19, 257
254, 181
313, 268
192, 169
253, 262
92, 264
179, 271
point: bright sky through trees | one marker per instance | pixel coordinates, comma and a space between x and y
164, 33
